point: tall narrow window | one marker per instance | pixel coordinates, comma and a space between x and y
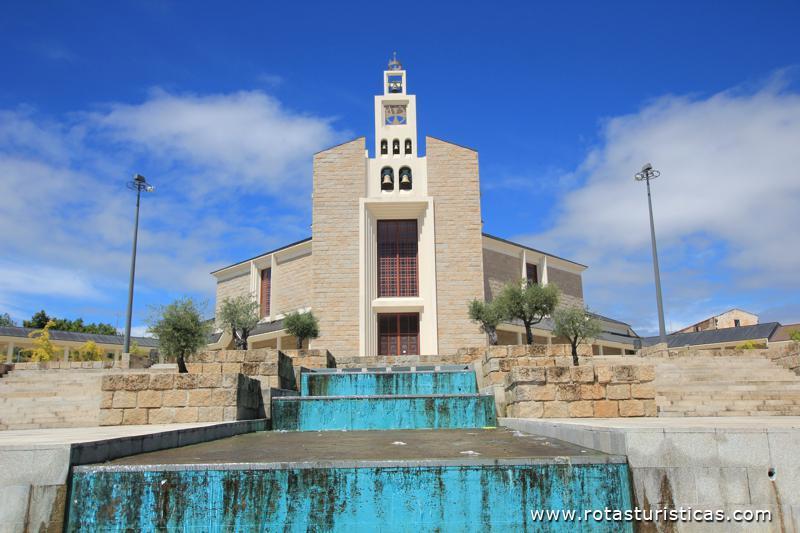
266, 281
397, 258
384, 147
396, 147
408, 146
531, 273
398, 334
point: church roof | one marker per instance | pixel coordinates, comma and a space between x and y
301, 241
531, 249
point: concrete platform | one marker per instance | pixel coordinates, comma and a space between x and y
700, 462
35, 463
326, 449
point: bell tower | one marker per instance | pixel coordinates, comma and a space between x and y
395, 115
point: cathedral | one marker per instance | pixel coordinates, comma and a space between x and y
397, 250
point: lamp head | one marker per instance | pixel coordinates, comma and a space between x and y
647, 167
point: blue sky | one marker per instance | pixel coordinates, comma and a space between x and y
222, 105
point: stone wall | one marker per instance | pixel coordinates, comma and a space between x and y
63, 365
530, 381
232, 287
292, 285
570, 285
268, 365
498, 270
339, 181
136, 399
786, 355
453, 183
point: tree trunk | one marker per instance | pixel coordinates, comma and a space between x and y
492, 333
299, 343
574, 353
528, 332
182, 365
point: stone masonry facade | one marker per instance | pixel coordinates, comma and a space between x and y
339, 183
292, 285
498, 270
453, 183
569, 284
231, 288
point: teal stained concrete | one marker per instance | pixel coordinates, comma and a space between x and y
383, 412
480, 498
386, 383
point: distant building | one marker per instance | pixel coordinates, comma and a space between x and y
733, 318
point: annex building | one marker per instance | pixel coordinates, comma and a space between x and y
397, 250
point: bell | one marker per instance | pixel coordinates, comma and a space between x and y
405, 180
387, 180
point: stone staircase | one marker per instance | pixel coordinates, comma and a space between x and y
35, 399
718, 385
385, 398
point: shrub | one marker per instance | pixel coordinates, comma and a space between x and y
302, 326
576, 325
180, 329
488, 316
527, 302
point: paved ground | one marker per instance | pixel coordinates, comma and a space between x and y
359, 448
710, 423
28, 437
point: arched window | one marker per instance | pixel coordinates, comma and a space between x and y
405, 179
384, 147
408, 146
387, 179
396, 147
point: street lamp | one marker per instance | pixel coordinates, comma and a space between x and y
138, 184
648, 173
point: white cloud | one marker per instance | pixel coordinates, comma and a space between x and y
726, 205
227, 169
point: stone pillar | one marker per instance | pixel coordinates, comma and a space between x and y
10, 353
125, 361
600, 347
66, 354
278, 342
519, 338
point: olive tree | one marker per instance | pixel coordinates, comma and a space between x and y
238, 316
488, 316
302, 326
576, 325
180, 329
528, 302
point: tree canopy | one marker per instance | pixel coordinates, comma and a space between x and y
180, 329
488, 315
577, 325
238, 316
302, 325
41, 318
527, 302
6, 320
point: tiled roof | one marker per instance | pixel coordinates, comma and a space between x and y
716, 336
783, 332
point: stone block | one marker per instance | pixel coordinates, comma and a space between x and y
518, 350
134, 417
136, 382
229, 380
162, 381
110, 417
106, 399
231, 368
210, 380
623, 374
527, 375
631, 408
582, 374
212, 368
148, 398
645, 373
186, 381
618, 392
234, 356
123, 399
650, 408
223, 397
194, 368
209, 414
526, 410
603, 374
556, 410
643, 391
249, 369
199, 397
605, 408
174, 398
230, 413
568, 392
186, 414
581, 409
558, 374
164, 415
595, 391
113, 382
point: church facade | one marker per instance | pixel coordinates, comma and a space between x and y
397, 249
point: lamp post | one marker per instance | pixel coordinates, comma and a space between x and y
138, 184
648, 173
